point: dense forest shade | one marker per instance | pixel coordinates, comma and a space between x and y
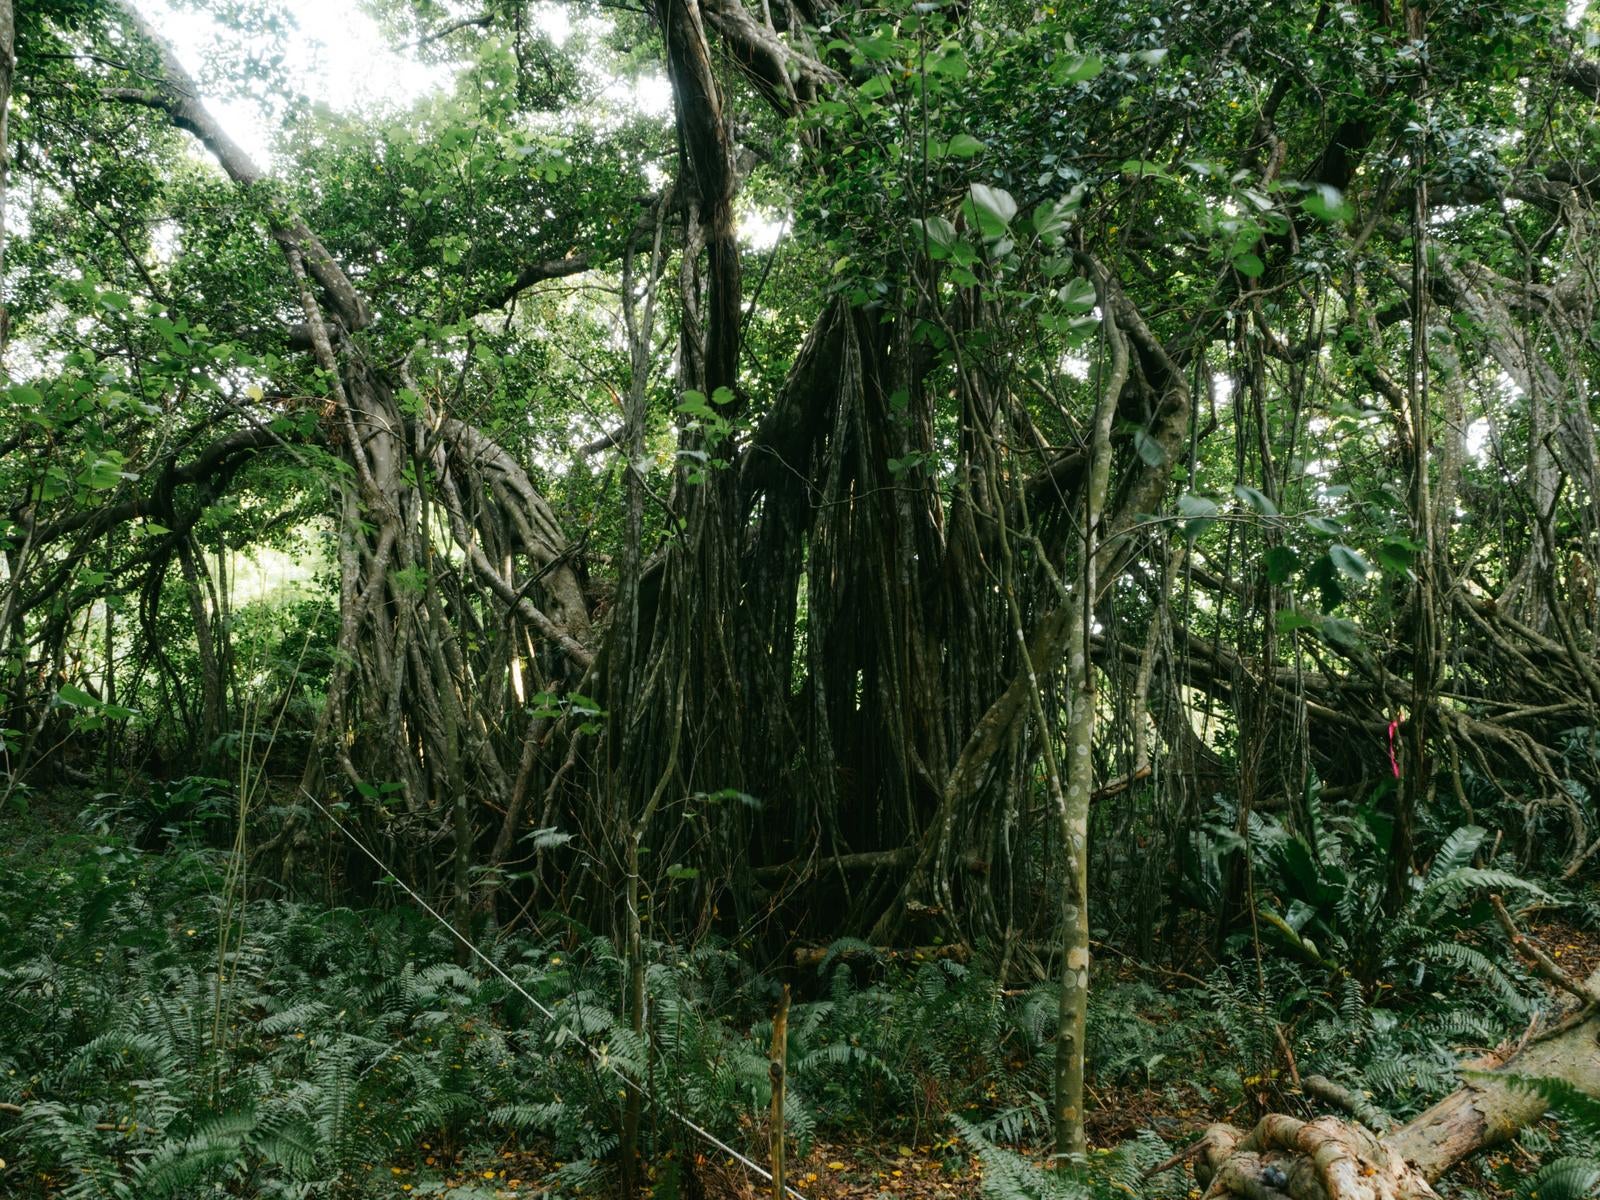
962, 488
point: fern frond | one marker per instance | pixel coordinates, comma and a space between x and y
1564, 1179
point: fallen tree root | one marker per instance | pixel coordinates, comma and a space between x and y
1284, 1158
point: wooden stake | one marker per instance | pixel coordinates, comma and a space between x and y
777, 1063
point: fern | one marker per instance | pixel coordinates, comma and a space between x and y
1457, 850
179, 1167
301, 1015
1009, 1176
1440, 890
1575, 1107
1464, 958
1563, 1179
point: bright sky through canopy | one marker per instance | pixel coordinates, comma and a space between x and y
338, 57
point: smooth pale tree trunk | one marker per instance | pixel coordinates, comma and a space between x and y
1073, 806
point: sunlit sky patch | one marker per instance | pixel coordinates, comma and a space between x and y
339, 58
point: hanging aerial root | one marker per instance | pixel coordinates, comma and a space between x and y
1283, 1158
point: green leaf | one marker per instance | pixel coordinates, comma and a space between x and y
75, 697
679, 871
963, 145
1341, 632
993, 207
1201, 511
1289, 621
1281, 564
694, 403
1256, 500
1143, 167
941, 233
1396, 554
951, 62
1328, 204
1324, 576
1350, 564
1249, 264
1077, 69
1150, 450
1077, 296
104, 471
1053, 217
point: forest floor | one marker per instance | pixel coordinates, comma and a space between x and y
868, 1168
88, 915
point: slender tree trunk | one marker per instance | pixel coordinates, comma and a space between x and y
1413, 788
777, 1071
213, 687
633, 1102
1074, 805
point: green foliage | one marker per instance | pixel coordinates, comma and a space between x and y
335, 1041
1575, 1173
331, 1043
1323, 889
1008, 1175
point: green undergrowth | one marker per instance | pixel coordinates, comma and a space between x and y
158, 1040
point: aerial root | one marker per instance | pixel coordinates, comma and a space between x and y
1283, 1158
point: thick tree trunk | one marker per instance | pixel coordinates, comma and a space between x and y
1488, 1109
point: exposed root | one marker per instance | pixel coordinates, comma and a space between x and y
1283, 1158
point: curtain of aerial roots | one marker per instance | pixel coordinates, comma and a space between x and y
1499, 677
822, 635
438, 525
872, 590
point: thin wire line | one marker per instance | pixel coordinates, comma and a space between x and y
601, 1060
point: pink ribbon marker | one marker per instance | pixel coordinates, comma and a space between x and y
1394, 762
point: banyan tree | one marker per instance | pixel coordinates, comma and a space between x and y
1124, 405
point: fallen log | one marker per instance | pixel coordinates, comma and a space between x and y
1284, 1158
